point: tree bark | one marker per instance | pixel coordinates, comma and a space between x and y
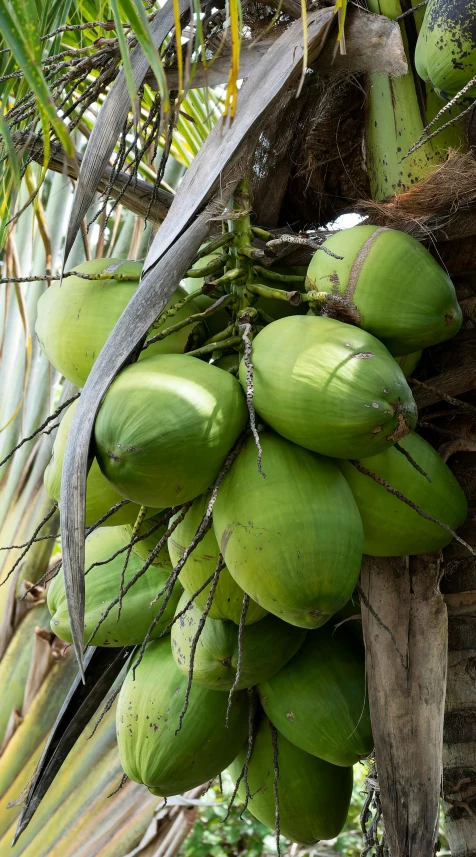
405, 632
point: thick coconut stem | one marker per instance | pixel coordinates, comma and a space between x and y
246, 329
196, 317
239, 665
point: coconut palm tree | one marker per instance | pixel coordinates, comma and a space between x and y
126, 100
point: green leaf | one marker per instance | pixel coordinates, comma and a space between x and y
135, 14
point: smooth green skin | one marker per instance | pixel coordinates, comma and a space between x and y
409, 362
310, 386
148, 712
100, 495
228, 598
314, 797
166, 427
145, 547
403, 296
267, 646
218, 321
445, 51
319, 700
294, 540
103, 585
75, 319
391, 527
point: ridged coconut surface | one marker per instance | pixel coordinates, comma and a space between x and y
166, 427
314, 797
148, 712
391, 286
391, 527
319, 699
103, 584
75, 318
267, 646
446, 48
293, 541
100, 495
228, 598
329, 387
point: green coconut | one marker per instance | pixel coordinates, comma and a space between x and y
219, 320
228, 598
100, 495
145, 546
409, 362
103, 584
445, 51
75, 318
329, 387
391, 286
319, 699
267, 646
313, 796
165, 428
147, 718
391, 527
292, 541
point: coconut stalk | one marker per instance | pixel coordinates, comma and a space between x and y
397, 113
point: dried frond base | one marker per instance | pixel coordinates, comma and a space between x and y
441, 206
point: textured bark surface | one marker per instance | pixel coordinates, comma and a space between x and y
405, 631
459, 755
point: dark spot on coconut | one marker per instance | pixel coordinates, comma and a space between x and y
226, 662
334, 278
316, 613
386, 390
449, 317
227, 534
376, 430
363, 355
290, 716
131, 449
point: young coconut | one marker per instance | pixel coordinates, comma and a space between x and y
267, 646
389, 284
409, 362
329, 387
319, 699
445, 51
145, 546
75, 319
100, 495
293, 541
391, 527
228, 598
103, 584
148, 711
165, 428
313, 796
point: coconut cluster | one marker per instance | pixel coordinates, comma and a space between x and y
234, 563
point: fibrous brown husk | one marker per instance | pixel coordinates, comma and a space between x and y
308, 166
441, 207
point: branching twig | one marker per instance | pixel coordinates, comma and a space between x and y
398, 494
40, 429
239, 665
246, 329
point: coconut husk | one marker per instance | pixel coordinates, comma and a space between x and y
441, 207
